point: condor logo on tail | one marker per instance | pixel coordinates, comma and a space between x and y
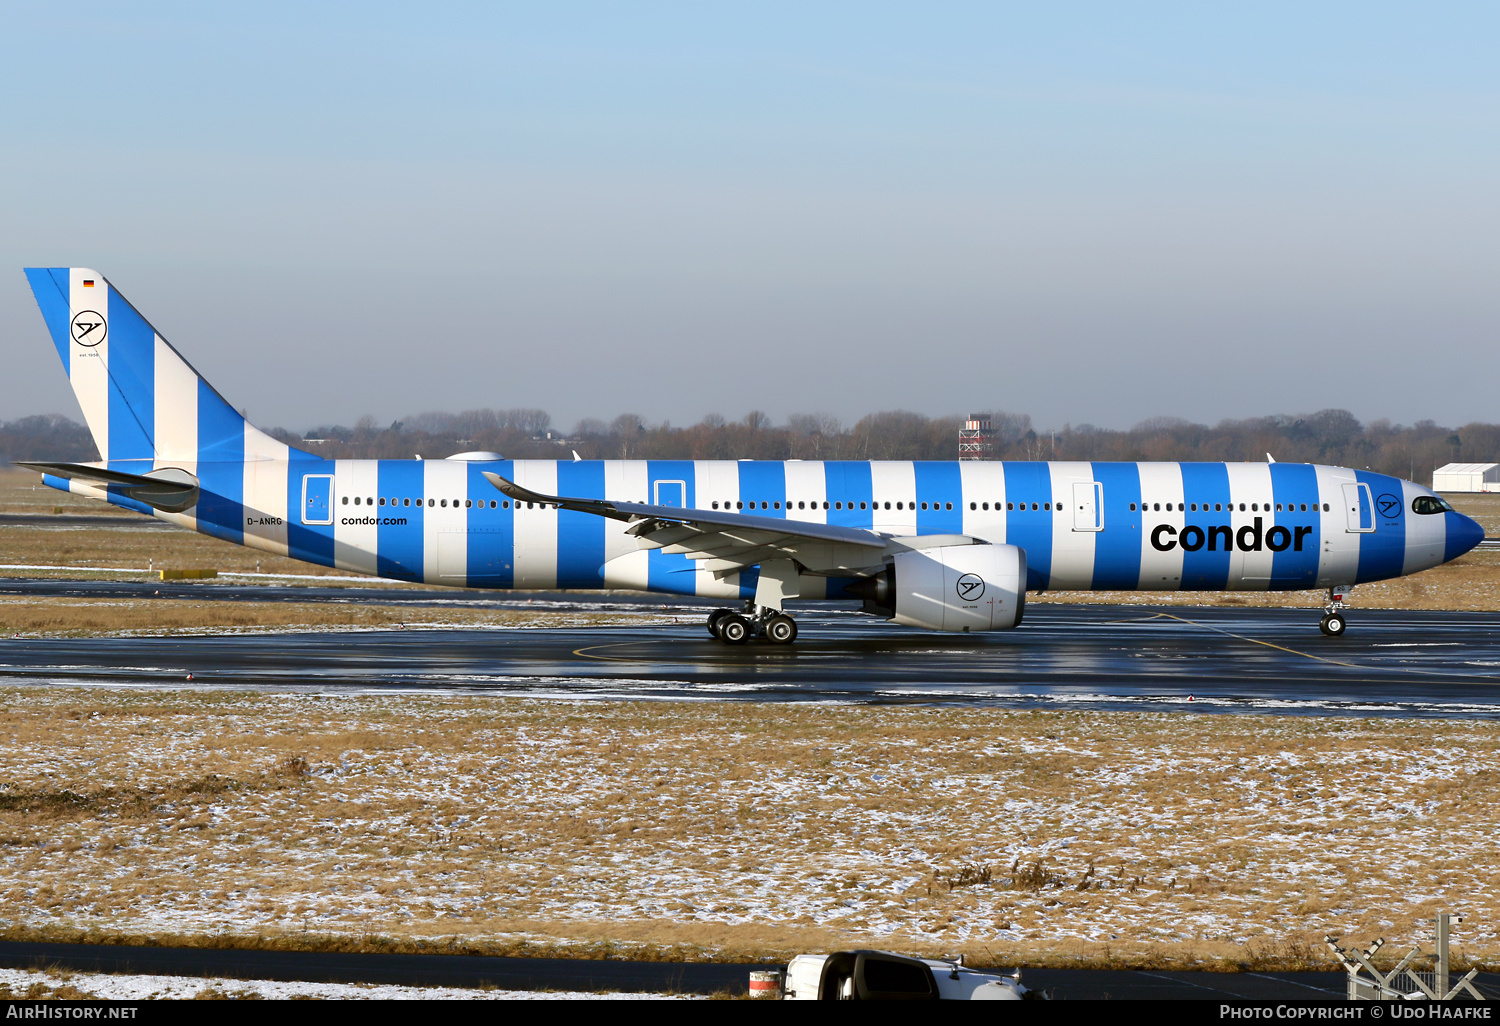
1253, 538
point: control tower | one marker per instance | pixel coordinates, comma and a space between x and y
976, 439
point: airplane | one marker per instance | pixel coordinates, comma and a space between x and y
946, 546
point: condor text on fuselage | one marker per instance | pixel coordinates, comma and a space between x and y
1253, 537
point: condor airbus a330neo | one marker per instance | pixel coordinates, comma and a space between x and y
944, 546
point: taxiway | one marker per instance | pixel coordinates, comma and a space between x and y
1264, 660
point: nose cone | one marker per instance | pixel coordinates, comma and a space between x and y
1463, 535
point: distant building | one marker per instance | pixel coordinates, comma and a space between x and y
1467, 477
976, 439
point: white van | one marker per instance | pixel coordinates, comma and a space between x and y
882, 975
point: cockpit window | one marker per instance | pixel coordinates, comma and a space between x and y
1426, 504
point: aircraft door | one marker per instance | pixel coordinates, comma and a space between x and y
671, 493
317, 499
1359, 509
1088, 506
453, 554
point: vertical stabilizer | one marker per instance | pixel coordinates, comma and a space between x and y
140, 398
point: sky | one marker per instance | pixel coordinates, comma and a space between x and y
1092, 213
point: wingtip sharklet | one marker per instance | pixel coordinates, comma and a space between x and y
520, 494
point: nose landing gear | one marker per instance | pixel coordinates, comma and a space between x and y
1333, 623
758, 621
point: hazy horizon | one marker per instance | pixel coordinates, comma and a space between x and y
1161, 424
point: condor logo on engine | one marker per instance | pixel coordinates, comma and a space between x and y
1253, 538
970, 587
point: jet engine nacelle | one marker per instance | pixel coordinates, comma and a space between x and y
952, 588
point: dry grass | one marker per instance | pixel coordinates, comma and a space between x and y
1484, 508
132, 545
129, 545
22, 491
1471, 582
23, 616
719, 830
82, 549
45, 989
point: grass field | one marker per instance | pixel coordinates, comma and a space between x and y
21, 492
715, 829
84, 549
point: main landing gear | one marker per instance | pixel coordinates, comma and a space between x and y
1333, 622
757, 621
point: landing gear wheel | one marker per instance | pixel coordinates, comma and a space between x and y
1333, 624
734, 629
713, 620
781, 630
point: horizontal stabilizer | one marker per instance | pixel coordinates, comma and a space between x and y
169, 489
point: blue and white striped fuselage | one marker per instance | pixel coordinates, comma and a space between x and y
948, 546
1083, 526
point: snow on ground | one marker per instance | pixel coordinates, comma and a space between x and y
467, 821
128, 987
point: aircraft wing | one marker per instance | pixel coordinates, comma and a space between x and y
728, 542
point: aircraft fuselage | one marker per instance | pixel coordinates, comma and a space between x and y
1083, 526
